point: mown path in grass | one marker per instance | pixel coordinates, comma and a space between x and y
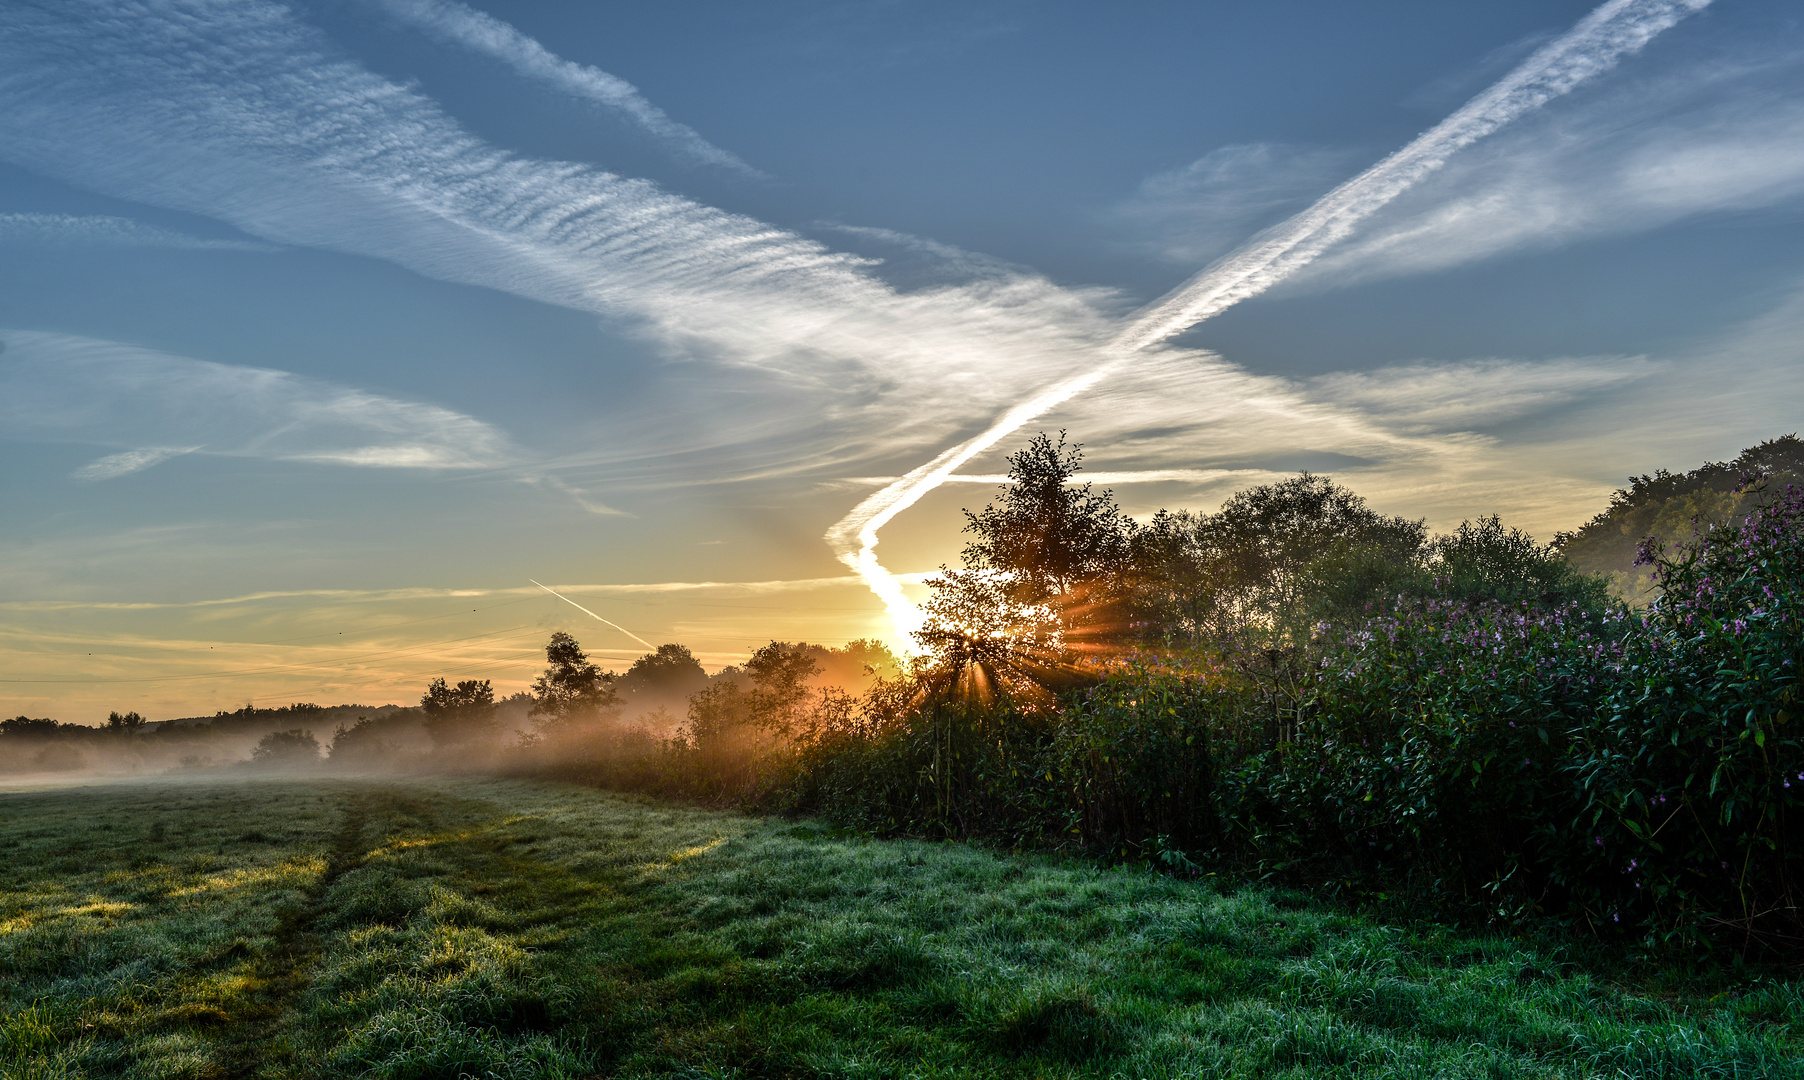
448, 927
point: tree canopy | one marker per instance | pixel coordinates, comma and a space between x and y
572, 689
668, 675
458, 714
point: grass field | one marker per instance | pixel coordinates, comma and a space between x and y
489, 928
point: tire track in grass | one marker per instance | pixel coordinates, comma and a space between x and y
280, 972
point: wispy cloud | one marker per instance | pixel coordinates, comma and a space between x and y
389, 596
131, 461
828, 364
1718, 136
1473, 395
103, 230
480, 32
1192, 214
61, 387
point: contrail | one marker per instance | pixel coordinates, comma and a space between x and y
1597, 43
463, 25
596, 617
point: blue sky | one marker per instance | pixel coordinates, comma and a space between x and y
328, 325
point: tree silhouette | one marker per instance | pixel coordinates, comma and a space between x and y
1042, 582
293, 747
1047, 537
572, 689
667, 676
458, 714
124, 724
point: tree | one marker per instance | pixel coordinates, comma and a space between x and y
25, 726
1673, 508
1044, 579
458, 714
666, 676
858, 663
1482, 560
781, 673
571, 690
127, 724
1272, 553
286, 748
362, 742
1049, 538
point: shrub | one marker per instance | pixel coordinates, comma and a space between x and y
1134, 760
1432, 742
1693, 774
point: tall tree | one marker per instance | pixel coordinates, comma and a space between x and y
572, 689
1043, 578
1048, 535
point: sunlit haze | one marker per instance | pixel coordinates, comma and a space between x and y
329, 331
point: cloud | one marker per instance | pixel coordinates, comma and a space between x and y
459, 24
1718, 136
61, 387
907, 261
1192, 214
390, 596
1452, 89
131, 461
1475, 394
788, 359
100, 230
803, 360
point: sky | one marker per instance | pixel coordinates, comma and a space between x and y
329, 328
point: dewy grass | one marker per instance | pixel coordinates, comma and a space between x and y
446, 928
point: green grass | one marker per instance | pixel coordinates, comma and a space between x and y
446, 928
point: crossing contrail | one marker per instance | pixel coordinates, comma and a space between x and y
596, 617
1597, 43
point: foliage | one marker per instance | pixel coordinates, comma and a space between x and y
21, 727
1043, 583
1483, 561
1262, 552
1432, 742
670, 673
126, 724
283, 749
1694, 774
363, 743
1472, 725
572, 690
455, 715
1134, 760
1046, 537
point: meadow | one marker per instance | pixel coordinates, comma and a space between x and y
446, 927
